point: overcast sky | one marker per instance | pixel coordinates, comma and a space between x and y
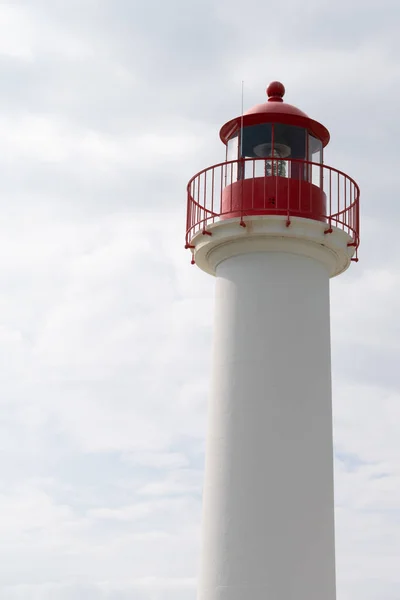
107, 108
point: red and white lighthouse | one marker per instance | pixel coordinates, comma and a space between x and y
273, 223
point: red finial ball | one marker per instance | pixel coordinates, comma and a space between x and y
275, 91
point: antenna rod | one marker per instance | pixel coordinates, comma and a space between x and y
241, 124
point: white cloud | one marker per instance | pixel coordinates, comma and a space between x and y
16, 32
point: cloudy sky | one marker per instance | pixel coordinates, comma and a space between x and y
107, 108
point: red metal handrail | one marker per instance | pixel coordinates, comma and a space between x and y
205, 192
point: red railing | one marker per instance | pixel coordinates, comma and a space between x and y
211, 199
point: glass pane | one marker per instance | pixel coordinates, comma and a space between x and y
315, 156
233, 148
254, 168
277, 167
290, 141
314, 149
256, 141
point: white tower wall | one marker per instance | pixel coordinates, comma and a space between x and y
268, 520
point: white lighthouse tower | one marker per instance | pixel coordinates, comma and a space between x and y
273, 223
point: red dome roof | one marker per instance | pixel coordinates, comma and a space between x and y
275, 110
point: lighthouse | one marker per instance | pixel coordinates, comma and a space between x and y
273, 223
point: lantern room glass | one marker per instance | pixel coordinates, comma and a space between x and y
291, 142
314, 149
315, 156
256, 141
275, 142
232, 148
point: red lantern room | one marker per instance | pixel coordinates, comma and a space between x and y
274, 166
